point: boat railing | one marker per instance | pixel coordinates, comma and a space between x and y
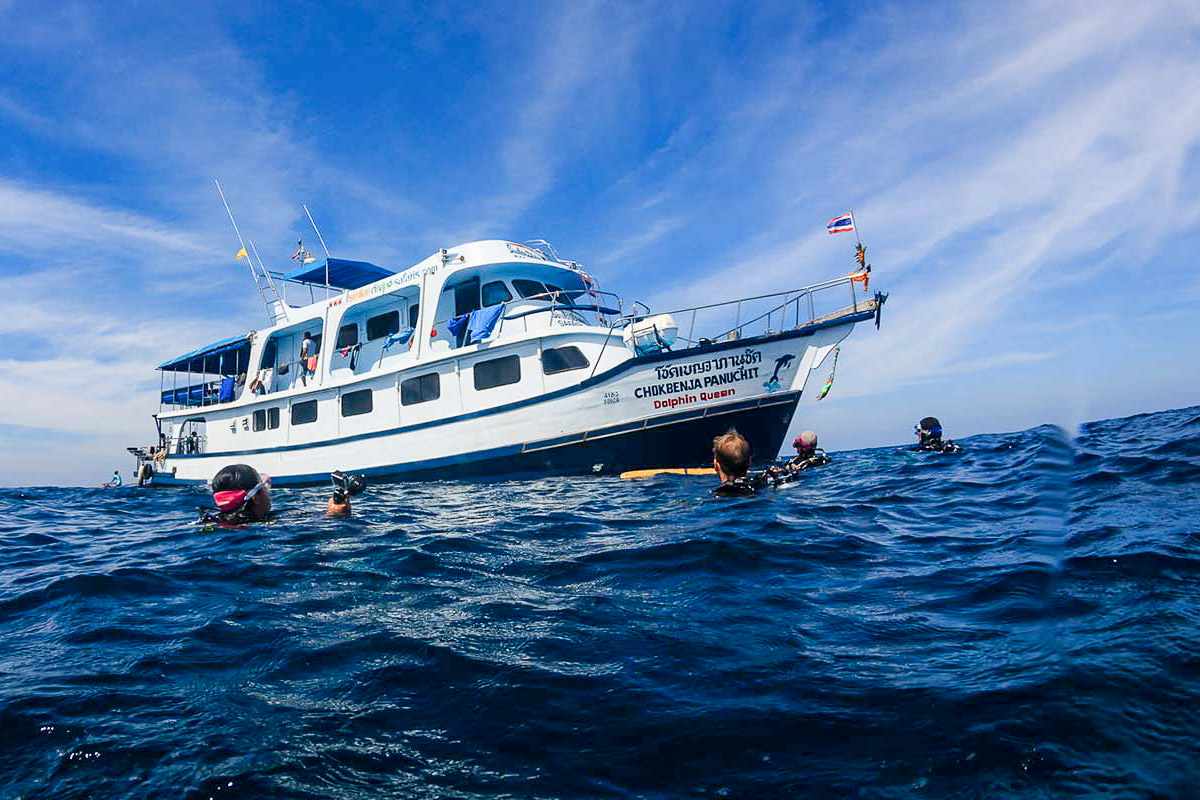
765, 314
730, 319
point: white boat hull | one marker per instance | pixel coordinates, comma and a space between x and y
650, 411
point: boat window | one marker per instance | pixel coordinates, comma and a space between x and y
304, 413
260, 420
269, 354
497, 372
316, 344
272, 418
528, 288
563, 359
355, 403
414, 312
466, 297
383, 325
347, 335
495, 293
420, 389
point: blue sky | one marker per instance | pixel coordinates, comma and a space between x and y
1026, 177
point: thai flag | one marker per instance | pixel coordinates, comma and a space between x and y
841, 224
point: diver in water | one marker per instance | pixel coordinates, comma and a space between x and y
731, 460
241, 494
344, 487
929, 436
808, 455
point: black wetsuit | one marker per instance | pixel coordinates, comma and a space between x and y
801, 463
938, 446
744, 486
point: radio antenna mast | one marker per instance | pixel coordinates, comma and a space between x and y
320, 239
262, 293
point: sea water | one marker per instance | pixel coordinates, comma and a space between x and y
1016, 620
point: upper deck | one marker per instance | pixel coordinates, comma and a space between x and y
454, 303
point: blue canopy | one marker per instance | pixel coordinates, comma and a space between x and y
343, 274
226, 357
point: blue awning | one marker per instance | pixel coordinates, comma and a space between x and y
226, 357
343, 274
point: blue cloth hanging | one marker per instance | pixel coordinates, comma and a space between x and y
226, 395
401, 337
482, 322
458, 324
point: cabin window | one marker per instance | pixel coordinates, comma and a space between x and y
304, 413
528, 288
383, 325
466, 297
497, 372
272, 418
270, 350
420, 389
355, 403
316, 344
347, 335
414, 313
563, 359
495, 293
260, 420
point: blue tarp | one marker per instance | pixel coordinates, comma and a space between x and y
218, 358
343, 274
200, 394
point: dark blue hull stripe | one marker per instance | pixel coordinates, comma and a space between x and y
737, 344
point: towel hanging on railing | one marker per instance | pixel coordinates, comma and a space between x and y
481, 323
400, 337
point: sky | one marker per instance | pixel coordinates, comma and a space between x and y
1025, 176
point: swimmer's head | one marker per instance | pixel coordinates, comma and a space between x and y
731, 454
805, 443
929, 430
239, 488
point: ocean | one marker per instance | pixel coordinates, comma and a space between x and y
1018, 620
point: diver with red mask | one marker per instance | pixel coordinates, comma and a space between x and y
242, 495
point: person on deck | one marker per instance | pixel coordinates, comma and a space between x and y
731, 460
307, 351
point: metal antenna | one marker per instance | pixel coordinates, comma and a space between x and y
323, 247
257, 283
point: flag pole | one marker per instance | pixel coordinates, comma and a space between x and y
854, 224
242, 242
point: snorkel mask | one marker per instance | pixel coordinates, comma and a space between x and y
232, 500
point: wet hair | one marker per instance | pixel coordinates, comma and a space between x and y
929, 428
234, 477
732, 452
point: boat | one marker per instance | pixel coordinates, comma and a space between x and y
491, 359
